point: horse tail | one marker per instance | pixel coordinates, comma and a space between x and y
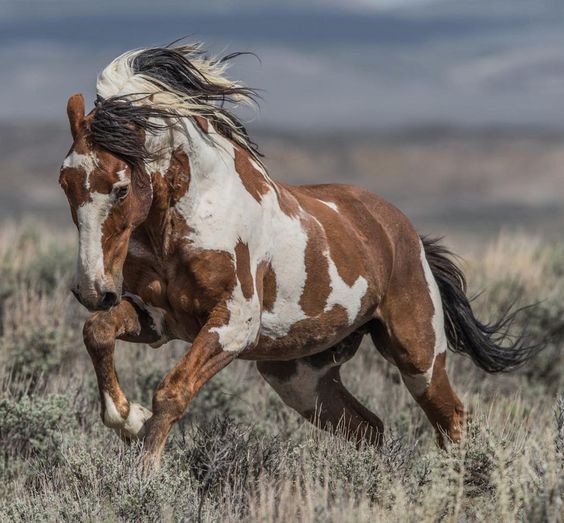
490, 345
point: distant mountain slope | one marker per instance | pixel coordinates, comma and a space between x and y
448, 181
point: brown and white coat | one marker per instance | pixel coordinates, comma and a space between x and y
196, 242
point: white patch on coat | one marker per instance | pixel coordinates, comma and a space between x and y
221, 213
341, 294
288, 242
438, 320
87, 162
300, 390
331, 205
418, 383
122, 175
244, 322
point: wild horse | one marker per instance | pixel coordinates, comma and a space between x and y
183, 235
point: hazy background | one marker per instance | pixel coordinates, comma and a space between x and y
454, 110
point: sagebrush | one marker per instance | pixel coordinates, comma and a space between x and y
239, 454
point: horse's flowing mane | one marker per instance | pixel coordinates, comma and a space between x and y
165, 83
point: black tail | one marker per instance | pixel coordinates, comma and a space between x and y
490, 345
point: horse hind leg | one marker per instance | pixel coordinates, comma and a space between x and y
411, 335
312, 386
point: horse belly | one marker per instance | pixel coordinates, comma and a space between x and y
307, 337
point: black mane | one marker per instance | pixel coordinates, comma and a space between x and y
119, 123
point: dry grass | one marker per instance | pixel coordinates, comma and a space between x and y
240, 454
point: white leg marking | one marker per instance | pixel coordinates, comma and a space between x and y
136, 419
417, 383
133, 425
111, 415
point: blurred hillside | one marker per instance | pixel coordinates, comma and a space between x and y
464, 184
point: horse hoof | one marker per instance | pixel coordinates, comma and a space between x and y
134, 426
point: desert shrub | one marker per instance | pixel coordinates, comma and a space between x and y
32, 427
559, 421
117, 477
40, 335
29, 257
105, 483
224, 456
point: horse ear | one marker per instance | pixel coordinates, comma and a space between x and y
75, 112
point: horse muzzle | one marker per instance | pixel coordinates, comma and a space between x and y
96, 300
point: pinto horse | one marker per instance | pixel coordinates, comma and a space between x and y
183, 235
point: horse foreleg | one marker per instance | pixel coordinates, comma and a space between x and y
209, 353
124, 321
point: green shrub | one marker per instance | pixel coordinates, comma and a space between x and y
32, 427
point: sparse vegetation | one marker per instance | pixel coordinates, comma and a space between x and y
240, 454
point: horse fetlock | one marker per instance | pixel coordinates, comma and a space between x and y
453, 431
134, 426
130, 423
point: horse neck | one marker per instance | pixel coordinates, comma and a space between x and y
194, 160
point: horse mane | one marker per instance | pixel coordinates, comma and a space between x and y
147, 90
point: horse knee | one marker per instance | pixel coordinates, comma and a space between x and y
170, 401
98, 331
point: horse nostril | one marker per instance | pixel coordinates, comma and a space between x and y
109, 299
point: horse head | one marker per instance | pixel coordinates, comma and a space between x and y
107, 201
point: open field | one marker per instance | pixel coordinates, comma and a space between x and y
239, 453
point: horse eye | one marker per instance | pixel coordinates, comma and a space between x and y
121, 192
